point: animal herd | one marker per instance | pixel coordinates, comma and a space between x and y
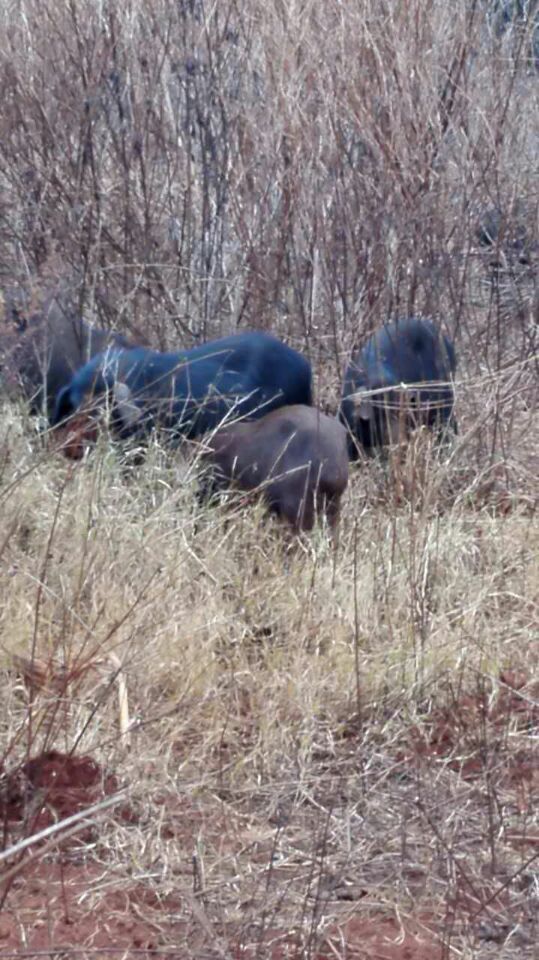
249, 396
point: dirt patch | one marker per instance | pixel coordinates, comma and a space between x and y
62, 905
471, 733
66, 899
53, 786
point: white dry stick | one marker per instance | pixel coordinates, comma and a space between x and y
81, 819
123, 703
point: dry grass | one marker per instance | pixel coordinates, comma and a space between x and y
283, 698
318, 739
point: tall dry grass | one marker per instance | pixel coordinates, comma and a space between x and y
310, 168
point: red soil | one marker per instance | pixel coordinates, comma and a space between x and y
472, 731
61, 905
67, 901
53, 786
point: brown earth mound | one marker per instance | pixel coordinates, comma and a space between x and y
63, 785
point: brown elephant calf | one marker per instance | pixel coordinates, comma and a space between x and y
296, 457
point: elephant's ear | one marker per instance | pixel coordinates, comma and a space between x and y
125, 406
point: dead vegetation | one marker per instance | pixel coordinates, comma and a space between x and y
330, 754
